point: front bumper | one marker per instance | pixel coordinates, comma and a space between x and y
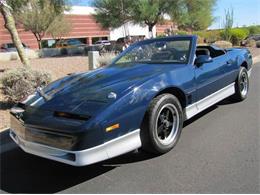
113, 148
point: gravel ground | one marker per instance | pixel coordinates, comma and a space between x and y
57, 67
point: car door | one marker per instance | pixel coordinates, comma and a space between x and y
208, 77
229, 70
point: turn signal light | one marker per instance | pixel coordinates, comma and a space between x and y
111, 128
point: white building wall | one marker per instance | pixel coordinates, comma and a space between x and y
130, 29
81, 10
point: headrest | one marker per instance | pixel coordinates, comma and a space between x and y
202, 51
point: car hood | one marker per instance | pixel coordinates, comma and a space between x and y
88, 93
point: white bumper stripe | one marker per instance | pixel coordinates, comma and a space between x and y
113, 148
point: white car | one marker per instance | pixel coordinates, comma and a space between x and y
103, 42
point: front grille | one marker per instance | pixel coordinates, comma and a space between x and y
40, 136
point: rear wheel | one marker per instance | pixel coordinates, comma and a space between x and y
242, 85
161, 128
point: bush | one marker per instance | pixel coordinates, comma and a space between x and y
254, 30
209, 36
21, 82
250, 43
223, 44
182, 32
106, 59
258, 44
238, 34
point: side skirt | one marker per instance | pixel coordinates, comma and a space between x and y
208, 101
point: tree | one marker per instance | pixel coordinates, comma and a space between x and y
228, 24
114, 13
37, 16
59, 28
150, 12
10, 26
194, 15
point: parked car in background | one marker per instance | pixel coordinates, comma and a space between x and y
70, 43
140, 100
10, 47
249, 38
103, 42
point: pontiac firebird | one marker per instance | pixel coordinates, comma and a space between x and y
140, 100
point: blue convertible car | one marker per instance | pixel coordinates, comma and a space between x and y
140, 100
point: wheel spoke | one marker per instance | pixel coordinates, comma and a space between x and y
161, 118
160, 129
167, 114
165, 134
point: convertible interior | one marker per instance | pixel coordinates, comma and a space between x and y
176, 55
211, 51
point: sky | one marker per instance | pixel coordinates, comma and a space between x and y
246, 12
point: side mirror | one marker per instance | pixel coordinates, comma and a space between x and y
203, 59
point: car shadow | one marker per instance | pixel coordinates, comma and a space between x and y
24, 173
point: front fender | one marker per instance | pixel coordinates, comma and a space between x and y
130, 109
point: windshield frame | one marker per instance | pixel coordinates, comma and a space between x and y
190, 38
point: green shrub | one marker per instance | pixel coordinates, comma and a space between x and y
258, 44
19, 83
254, 30
209, 36
182, 32
237, 35
223, 44
160, 36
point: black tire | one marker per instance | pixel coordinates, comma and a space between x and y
241, 86
162, 124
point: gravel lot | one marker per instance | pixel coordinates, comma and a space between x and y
57, 67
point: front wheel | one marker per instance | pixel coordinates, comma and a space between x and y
242, 85
162, 125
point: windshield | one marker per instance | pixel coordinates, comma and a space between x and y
158, 52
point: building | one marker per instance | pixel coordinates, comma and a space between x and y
85, 28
